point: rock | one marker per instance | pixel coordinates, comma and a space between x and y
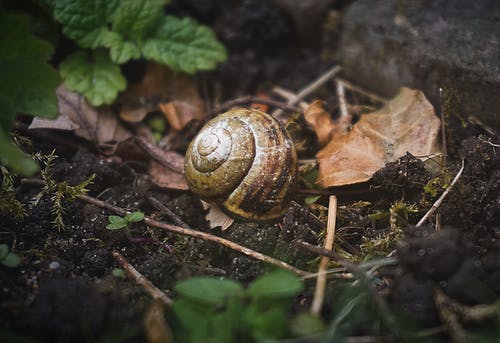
428, 44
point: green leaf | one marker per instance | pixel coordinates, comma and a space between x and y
306, 323
27, 85
311, 199
122, 51
208, 290
12, 260
194, 319
86, 21
134, 18
118, 273
4, 251
185, 45
116, 225
115, 219
99, 80
276, 285
134, 217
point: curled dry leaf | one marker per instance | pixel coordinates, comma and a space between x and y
98, 125
174, 93
321, 121
407, 123
170, 176
216, 217
155, 326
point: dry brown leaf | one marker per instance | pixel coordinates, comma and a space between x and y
405, 123
161, 85
216, 217
155, 325
321, 121
179, 113
168, 176
97, 125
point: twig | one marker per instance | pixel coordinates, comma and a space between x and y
449, 317
187, 232
198, 234
288, 95
344, 113
440, 200
168, 212
252, 99
359, 90
141, 280
156, 153
312, 87
319, 293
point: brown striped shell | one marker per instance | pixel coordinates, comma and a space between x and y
245, 161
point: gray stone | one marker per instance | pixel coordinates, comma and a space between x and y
427, 45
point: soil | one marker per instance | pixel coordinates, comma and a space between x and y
65, 291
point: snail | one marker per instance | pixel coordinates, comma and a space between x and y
245, 161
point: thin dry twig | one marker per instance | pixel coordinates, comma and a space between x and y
360, 90
344, 113
440, 200
168, 212
443, 125
141, 280
311, 87
252, 99
319, 293
156, 153
186, 232
288, 96
198, 234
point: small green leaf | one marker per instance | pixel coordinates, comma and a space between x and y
134, 18
4, 251
11, 156
116, 225
276, 285
134, 217
185, 45
122, 51
118, 273
12, 260
208, 290
306, 324
86, 21
99, 80
311, 199
115, 219
193, 317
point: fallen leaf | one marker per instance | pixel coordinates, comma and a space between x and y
321, 121
407, 123
161, 85
170, 176
98, 125
179, 113
216, 217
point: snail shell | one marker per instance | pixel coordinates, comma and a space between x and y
245, 161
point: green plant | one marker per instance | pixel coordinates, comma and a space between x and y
28, 85
57, 191
9, 205
8, 258
117, 31
117, 222
222, 310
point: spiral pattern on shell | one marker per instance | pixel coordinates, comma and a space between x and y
245, 161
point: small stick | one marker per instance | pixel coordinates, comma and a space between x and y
288, 95
319, 293
359, 90
141, 280
168, 212
156, 153
186, 232
252, 99
344, 113
439, 201
311, 87
198, 234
